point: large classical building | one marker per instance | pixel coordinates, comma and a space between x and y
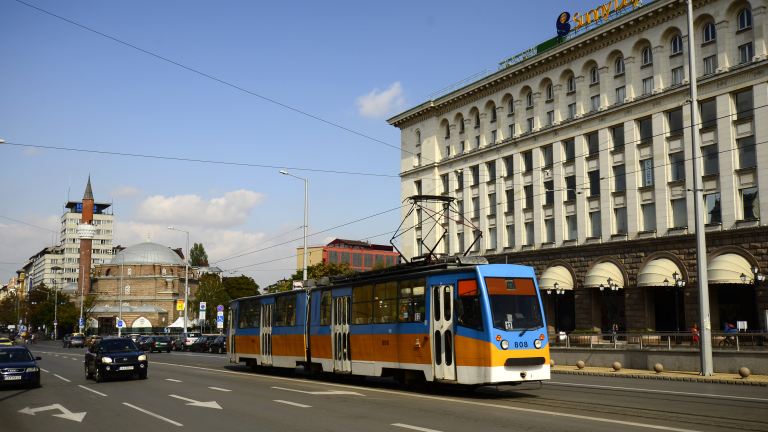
575, 157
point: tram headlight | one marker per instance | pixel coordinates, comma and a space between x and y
504, 344
537, 343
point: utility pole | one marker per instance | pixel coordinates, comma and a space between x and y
55, 270
120, 307
705, 325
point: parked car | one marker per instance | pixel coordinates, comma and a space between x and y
185, 340
115, 357
156, 343
219, 345
77, 341
90, 340
141, 340
202, 343
19, 366
135, 337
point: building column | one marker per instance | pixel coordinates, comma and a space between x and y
517, 204
661, 73
482, 130
582, 100
538, 111
725, 142
631, 167
581, 182
557, 103
559, 195
660, 169
501, 123
606, 186
605, 98
468, 137
724, 42
759, 24
686, 70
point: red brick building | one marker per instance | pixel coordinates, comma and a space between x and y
359, 255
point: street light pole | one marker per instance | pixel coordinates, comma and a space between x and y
120, 307
55, 270
306, 194
186, 277
698, 196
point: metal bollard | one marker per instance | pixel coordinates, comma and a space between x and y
590, 342
641, 341
737, 343
669, 342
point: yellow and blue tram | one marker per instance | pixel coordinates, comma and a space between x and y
458, 321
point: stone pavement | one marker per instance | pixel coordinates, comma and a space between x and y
722, 378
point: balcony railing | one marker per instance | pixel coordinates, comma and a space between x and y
664, 340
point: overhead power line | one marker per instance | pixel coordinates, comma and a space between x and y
24, 223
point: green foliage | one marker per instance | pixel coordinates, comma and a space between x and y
240, 286
322, 269
212, 291
8, 310
197, 255
43, 309
379, 265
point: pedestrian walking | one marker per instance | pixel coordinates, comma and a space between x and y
695, 331
34, 338
615, 329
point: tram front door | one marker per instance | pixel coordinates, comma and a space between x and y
340, 334
442, 333
265, 334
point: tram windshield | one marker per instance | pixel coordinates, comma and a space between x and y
514, 304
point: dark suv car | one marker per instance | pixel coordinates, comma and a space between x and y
115, 357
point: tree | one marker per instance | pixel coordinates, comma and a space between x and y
240, 286
213, 293
8, 310
316, 271
197, 255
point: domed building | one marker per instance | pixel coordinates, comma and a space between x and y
152, 280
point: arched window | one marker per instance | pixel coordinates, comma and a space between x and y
493, 113
447, 130
709, 32
550, 92
477, 119
511, 106
647, 56
594, 76
461, 124
677, 45
745, 19
571, 84
529, 99
619, 65
418, 138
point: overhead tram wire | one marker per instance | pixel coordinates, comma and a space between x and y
35, 226
257, 245
220, 80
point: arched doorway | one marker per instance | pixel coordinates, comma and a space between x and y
735, 297
557, 285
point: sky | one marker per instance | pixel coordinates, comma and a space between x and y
276, 75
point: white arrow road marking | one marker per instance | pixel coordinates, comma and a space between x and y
153, 414
293, 403
172, 380
338, 392
91, 390
211, 404
61, 377
66, 414
413, 427
219, 389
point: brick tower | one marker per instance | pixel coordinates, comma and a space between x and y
86, 230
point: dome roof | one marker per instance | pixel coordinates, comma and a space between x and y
147, 253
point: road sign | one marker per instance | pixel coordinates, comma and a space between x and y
220, 308
179, 305
202, 314
120, 323
81, 322
202, 306
55, 321
166, 329
65, 413
220, 320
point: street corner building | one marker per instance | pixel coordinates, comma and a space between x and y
575, 158
152, 278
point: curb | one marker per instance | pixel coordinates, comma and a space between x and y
661, 376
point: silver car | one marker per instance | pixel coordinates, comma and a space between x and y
187, 339
77, 341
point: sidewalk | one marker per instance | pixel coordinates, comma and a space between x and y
722, 378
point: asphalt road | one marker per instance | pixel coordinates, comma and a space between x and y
206, 392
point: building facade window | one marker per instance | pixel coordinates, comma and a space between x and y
460, 207
462, 148
647, 56
569, 148
491, 168
528, 192
417, 159
594, 76
617, 134
594, 183
619, 66
475, 170
549, 229
492, 238
530, 124
712, 204
744, 104
550, 93
571, 228
418, 217
477, 142
679, 213
461, 125
710, 65
595, 224
493, 136
593, 144
417, 187
460, 242
621, 94
418, 138
511, 130
529, 100
571, 84
475, 207
750, 205
546, 155
709, 158
476, 240
527, 161
447, 131
646, 130
676, 166
510, 236
511, 106
493, 114
570, 186
595, 102
510, 200
491, 204
708, 112
649, 216
709, 33
747, 153
572, 111
675, 121
677, 45
549, 192
459, 180
509, 166
477, 119
647, 86
746, 53
447, 151
529, 233
620, 216
677, 75
550, 118
646, 170
745, 19
444, 181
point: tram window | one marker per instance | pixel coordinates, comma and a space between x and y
325, 308
412, 301
385, 303
361, 304
285, 311
250, 312
514, 304
469, 296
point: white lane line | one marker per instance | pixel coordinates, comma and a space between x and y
172, 380
219, 389
659, 391
153, 414
91, 390
43, 370
61, 377
74, 359
414, 427
332, 392
443, 399
293, 403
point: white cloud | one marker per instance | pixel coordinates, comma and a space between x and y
232, 209
18, 242
123, 192
379, 103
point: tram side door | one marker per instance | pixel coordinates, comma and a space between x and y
443, 353
265, 334
340, 334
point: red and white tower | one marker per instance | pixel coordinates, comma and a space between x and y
86, 230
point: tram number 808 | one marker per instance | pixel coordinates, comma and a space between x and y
521, 344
